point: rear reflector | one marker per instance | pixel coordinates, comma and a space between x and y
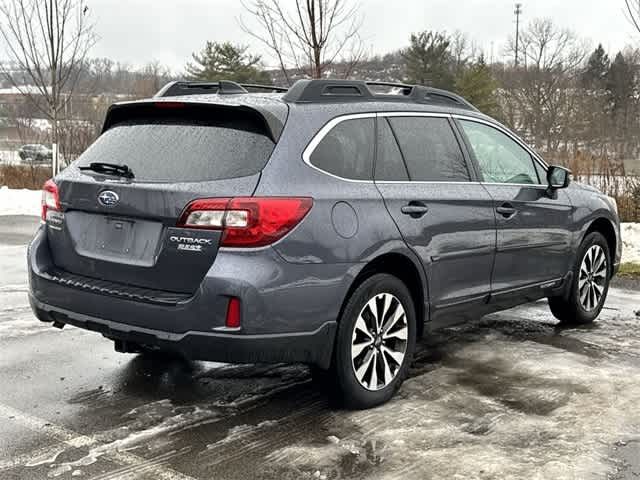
50, 198
247, 222
233, 313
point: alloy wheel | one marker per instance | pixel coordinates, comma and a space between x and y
379, 341
592, 278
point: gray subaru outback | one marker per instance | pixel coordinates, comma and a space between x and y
330, 224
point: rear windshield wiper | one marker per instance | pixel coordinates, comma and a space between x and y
109, 169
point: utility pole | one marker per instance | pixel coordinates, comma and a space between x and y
518, 12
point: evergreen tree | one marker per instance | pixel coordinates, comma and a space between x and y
620, 86
429, 60
225, 61
620, 83
595, 72
478, 85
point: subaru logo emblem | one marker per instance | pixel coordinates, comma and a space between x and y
108, 198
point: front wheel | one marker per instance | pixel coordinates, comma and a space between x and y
375, 342
589, 284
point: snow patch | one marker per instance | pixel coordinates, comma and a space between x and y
19, 202
630, 242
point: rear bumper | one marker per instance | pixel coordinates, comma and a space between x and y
308, 347
289, 311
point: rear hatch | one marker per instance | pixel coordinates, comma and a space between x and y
119, 229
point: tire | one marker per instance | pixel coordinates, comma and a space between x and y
579, 306
390, 351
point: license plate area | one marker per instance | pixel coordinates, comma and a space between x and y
117, 236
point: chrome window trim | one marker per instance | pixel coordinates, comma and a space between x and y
470, 182
414, 114
309, 149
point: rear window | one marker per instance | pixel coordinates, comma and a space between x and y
185, 146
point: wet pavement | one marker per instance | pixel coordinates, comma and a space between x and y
508, 396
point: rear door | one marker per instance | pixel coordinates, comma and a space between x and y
124, 230
533, 243
444, 215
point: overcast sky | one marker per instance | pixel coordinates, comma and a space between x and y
137, 31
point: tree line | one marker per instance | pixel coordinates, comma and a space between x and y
573, 103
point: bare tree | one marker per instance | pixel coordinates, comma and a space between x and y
46, 41
310, 37
541, 91
150, 78
633, 12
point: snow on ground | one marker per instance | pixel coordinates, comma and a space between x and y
27, 202
20, 202
631, 242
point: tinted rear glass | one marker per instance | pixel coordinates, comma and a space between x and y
185, 146
347, 150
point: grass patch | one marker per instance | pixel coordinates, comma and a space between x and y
21, 176
630, 270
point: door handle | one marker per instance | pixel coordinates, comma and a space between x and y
506, 210
415, 209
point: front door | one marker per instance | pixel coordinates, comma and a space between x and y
533, 240
444, 215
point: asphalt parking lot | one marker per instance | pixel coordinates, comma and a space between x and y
508, 396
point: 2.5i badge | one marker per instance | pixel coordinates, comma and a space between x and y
190, 244
55, 220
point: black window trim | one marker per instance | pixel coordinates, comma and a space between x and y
395, 139
473, 176
534, 156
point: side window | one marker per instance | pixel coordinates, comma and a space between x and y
347, 150
430, 149
501, 159
389, 163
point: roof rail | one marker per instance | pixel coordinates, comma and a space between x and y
181, 88
319, 91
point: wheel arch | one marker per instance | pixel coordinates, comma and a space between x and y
408, 271
605, 227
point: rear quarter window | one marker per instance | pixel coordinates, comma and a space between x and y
185, 146
347, 150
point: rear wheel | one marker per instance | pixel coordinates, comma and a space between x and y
375, 342
589, 284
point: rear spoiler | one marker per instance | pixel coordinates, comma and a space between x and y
118, 112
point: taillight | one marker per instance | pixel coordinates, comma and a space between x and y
50, 198
247, 222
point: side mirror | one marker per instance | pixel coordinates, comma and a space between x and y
558, 177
